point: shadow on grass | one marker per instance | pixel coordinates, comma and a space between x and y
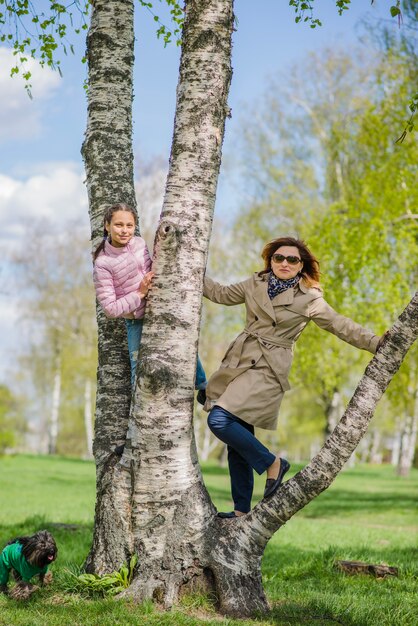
287, 562
331, 503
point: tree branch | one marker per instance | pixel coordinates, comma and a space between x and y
269, 515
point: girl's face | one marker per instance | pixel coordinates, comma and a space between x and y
283, 267
121, 228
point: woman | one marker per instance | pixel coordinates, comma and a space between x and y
248, 388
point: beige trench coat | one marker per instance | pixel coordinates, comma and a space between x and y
253, 375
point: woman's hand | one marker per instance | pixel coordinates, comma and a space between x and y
146, 284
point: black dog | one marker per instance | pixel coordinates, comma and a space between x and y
27, 557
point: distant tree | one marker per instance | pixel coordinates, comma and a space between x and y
12, 423
57, 301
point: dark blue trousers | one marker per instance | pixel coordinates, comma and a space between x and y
245, 453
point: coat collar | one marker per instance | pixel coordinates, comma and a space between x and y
282, 299
261, 295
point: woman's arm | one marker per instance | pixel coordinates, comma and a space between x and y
224, 294
343, 327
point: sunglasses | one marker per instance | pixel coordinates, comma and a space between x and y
292, 260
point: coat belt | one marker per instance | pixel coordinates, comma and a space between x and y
262, 340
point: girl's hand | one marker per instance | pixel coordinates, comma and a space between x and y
146, 284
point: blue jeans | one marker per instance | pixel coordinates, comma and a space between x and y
245, 453
134, 332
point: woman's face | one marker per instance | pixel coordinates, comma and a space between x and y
285, 268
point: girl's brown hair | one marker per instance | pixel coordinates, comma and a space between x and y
310, 270
107, 218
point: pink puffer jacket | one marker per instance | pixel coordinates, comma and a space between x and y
117, 275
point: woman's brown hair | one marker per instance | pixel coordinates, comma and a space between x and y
310, 270
107, 218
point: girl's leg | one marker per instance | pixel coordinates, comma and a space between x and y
238, 435
134, 332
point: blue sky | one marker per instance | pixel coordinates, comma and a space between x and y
41, 172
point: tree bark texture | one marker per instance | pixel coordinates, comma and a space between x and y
171, 510
108, 158
408, 438
55, 407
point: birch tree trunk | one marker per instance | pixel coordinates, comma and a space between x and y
375, 450
55, 408
408, 439
332, 412
396, 443
171, 510
153, 501
108, 158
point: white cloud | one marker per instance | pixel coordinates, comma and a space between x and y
20, 116
54, 193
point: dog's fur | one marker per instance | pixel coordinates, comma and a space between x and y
39, 550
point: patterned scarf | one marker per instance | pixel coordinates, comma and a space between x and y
277, 285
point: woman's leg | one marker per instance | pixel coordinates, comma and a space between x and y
246, 453
242, 481
134, 332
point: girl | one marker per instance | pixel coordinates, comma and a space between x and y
248, 388
122, 278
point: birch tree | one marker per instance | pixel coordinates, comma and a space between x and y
153, 501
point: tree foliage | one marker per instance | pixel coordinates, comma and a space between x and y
38, 33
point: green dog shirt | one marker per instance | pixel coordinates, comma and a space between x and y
12, 557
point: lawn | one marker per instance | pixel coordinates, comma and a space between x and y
368, 514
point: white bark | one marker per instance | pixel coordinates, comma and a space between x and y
375, 450
333, 411
108, 157
396, 443
407, 440
55, 407
209, 444
171, 509
206, 443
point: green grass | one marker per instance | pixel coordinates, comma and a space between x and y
368, 514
